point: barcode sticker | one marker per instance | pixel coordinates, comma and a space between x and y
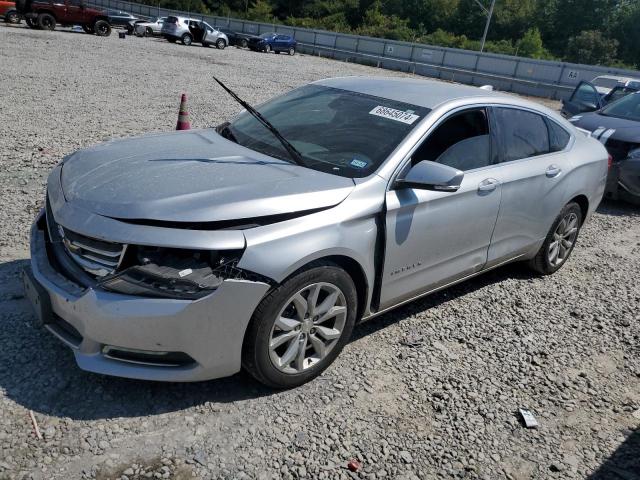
407, 117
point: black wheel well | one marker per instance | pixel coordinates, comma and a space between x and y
583, 203
353, 269
100, 18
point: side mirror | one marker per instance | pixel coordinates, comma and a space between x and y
428, 175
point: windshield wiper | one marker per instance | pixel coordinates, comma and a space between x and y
295, 155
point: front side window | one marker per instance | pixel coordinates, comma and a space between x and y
461, 141
337, 131
521, 134
586, 94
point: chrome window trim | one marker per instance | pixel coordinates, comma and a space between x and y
473, 106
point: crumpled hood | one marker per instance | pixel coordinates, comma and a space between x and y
624, 130
194, 176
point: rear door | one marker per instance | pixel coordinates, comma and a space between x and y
532, 169
585, 98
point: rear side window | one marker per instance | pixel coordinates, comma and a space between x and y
521, 134
172, 20
558, 136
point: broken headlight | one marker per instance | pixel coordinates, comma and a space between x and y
172, 273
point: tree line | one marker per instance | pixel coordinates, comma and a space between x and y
597, 32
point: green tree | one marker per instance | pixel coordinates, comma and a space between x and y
591, 47
261, 11
530, 45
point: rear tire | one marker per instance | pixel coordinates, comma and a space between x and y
102, 28
310, 338
46, 21
186, 39
148, 32
267, 49
292, 51
560, 241
244, 43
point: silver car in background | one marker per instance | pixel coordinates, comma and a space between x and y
189, 30
187, 255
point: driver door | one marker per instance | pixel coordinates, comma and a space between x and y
585, 98
74, 11
436, 237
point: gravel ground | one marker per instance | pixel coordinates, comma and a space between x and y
430, 390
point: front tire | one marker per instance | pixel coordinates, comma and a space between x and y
560, 241
300, 327
102, 28
221, 44
267, 49
292, 51
244, 43
46, 21
186, 39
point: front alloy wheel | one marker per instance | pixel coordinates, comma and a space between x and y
300, 327
307, 328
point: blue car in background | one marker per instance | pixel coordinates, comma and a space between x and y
273, 42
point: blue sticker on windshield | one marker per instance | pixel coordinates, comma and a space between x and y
358, 163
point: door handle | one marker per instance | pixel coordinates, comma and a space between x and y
488, 185
553, 171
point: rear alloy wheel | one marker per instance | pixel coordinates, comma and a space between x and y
102, 28
12, 17
221, 44
300, 327
186, 39
292, 51
267, 49
559, 242
46, 21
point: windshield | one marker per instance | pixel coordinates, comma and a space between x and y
336, 131
627, 107
267, 35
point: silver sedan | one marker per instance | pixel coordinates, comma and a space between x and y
261, 243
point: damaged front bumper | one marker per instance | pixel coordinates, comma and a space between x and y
139, 337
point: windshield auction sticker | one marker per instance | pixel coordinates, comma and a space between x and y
407, 117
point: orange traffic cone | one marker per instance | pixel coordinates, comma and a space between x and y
183, 115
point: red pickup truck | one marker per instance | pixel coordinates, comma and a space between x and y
46, 14
9, 12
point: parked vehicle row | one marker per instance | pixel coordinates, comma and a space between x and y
189, 30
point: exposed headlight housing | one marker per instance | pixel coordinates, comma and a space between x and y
173, 273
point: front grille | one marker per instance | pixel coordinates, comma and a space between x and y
96, 257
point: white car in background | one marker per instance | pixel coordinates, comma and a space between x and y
149, 28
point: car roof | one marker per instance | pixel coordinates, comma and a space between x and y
423, 93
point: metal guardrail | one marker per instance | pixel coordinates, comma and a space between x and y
541, 78
413, 65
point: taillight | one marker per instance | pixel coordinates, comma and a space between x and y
610, 161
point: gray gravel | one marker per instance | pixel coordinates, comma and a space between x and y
430, 390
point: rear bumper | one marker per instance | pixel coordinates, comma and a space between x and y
94, 322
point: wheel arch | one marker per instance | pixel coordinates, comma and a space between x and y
583, 203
